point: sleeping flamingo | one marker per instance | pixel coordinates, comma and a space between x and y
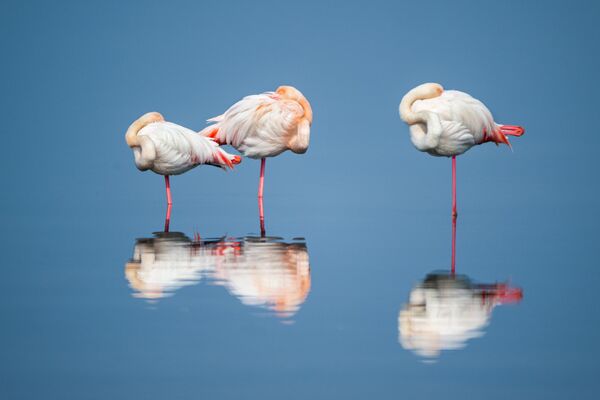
265, 125
170, 149
448, 123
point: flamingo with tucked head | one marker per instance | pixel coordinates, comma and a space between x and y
265, 125
448, 123
170, 149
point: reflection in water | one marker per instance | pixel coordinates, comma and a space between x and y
260, 271
446, 310
267, 273
162, 264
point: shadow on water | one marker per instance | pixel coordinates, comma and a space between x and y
265, 272
446, 310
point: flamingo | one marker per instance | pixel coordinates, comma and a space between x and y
449, 122
265, 125
170, 149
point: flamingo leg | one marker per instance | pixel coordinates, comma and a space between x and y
261, 186
453, 263
168, 187
169, 203
454, 213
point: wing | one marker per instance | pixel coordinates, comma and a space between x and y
259, 125
178, 147
460, 108
457, 139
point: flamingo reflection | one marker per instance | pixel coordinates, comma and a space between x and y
266, 272
446, 310
166, 262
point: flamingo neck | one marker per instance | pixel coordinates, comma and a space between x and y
421, 92
131, 135
307, 109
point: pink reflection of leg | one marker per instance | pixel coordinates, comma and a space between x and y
168, 217
453, 263
261, 186
454, 213
169, 203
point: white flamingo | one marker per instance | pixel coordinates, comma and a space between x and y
448, 123
169, 149
265, 125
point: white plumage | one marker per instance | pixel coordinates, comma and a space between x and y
170, 149
265, 125
448, 123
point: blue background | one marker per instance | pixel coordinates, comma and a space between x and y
374, 211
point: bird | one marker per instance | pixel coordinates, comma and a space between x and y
170, 149
265, 125
447, 123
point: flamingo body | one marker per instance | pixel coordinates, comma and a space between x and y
265, 125
449, 122
170, 149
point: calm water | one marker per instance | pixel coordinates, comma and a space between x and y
95, 305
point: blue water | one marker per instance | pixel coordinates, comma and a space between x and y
349, 295
76, 326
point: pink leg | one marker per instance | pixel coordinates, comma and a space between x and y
169, 203
168, 186
453, 263
454, 213
261, 186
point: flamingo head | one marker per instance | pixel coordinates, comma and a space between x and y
291, 93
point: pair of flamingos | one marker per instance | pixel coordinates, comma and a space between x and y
442, 123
